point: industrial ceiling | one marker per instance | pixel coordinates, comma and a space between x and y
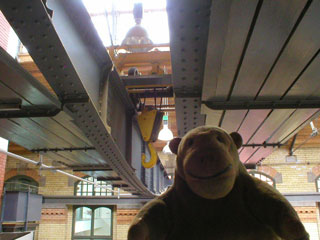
250, 66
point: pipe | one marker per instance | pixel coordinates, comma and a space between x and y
313, 134
54, 169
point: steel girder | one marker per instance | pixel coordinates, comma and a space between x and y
279, 104
150, 81
72, 58
189, 23
75, 200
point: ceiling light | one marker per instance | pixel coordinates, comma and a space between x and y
166, 149
165, 133
137, 35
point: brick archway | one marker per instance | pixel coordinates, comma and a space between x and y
316, 170
29, 173
270, 171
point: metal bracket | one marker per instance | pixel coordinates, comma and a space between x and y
62, 149
253, 145
278, 104
150, 81
160, 93
29, 112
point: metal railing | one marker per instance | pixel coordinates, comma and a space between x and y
20, 187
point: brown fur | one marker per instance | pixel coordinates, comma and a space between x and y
213, 197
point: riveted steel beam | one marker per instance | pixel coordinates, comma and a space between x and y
189, 26
69, 53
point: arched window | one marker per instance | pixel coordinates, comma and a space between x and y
263, 177
92, 222
22, 183
318, 183
88, 189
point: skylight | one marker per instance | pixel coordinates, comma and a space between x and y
120, 19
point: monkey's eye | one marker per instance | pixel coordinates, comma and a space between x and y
220, 139
190, 142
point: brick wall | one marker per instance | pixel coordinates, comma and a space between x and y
124, 219
56, 223
297, 177
3, 160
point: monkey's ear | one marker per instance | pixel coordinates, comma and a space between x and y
174, 144
237, 139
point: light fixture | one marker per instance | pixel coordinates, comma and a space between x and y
165, 133
4, 143
137, 35
314, 130
166, 149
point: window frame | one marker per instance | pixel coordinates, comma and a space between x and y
17, 178
264, 174
317, 184
92, 236
93, 188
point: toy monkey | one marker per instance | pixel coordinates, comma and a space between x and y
214, 198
